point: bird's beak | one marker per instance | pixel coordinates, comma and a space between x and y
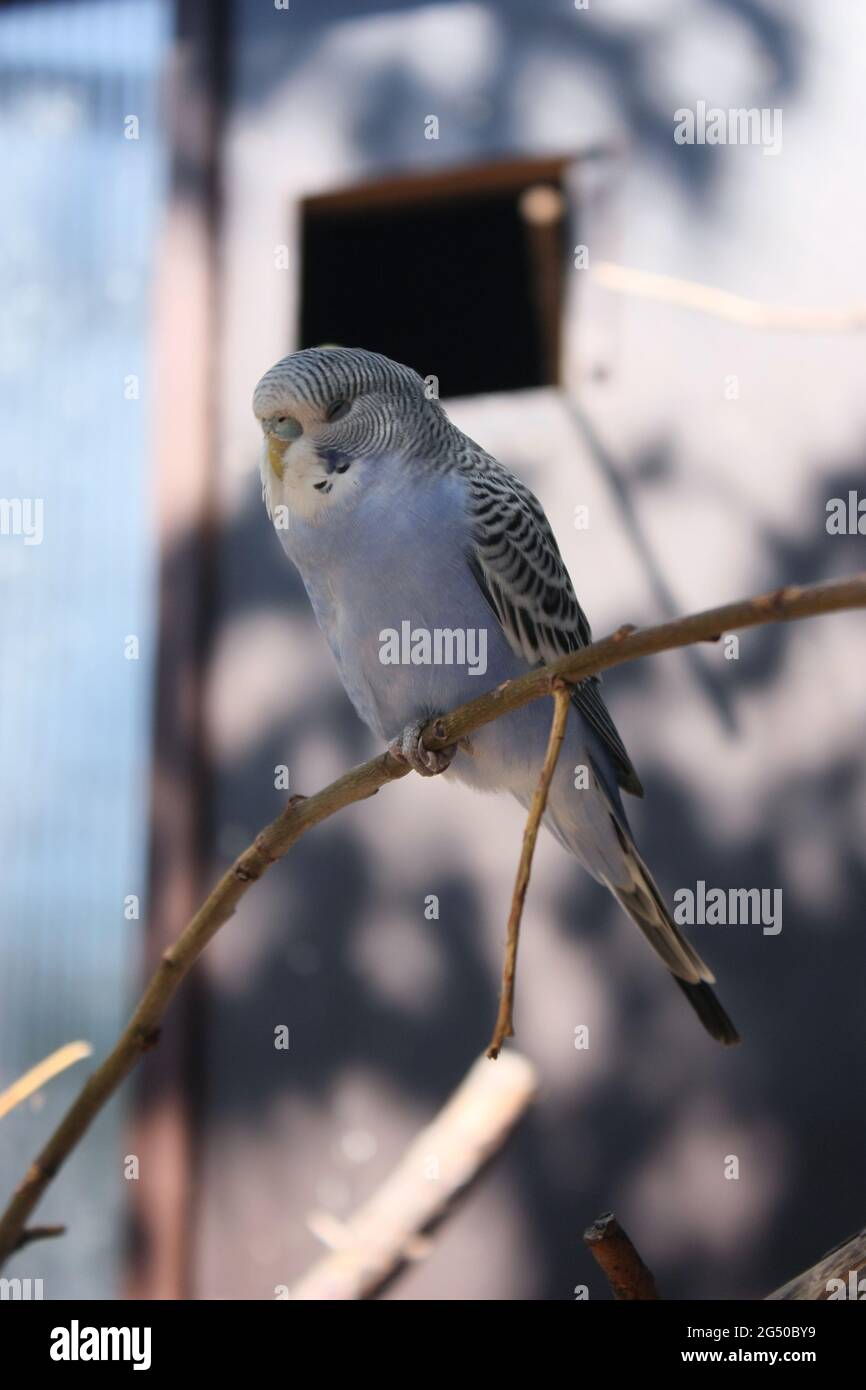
276, 454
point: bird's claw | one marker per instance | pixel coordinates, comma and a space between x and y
428, 762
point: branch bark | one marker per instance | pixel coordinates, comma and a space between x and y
840, 1263
721, 304
623, 1267
438, 1167
629, 1277
33, 1233
301, 814
505, 1018
34, 1079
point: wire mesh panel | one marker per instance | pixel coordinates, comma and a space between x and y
83, 168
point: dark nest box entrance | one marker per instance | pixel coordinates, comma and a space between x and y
457, 274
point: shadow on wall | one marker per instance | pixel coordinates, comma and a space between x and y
797, 1003
623, 56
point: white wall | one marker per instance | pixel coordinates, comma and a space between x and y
754, 769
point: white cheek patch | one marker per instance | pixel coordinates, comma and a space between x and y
301, 465
267, 478
300, 488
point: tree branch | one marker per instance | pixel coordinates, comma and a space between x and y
624, 1269
34, 1079
629, 1277
301, 814
438, 1167
32, 1233
505, 1020
840, 1263
721, 304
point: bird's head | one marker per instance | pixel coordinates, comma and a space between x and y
327, 414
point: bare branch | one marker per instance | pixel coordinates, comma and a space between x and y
720, 304
34, 1079
628, 643
32, 1233
440, 1164
844, 1260
629, 1277
624, 1269
301, 814
505, 1018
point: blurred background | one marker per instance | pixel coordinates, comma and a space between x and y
194, 189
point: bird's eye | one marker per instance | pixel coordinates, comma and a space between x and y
337, 409
287, 427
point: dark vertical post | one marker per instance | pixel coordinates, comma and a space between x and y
185, 345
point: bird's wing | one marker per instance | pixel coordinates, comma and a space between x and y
516, 562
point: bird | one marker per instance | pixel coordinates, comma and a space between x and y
400, 525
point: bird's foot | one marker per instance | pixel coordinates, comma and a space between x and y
428, 762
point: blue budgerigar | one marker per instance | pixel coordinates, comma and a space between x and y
434, 575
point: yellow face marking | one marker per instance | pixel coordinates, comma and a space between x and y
276, 452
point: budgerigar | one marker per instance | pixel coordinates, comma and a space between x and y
400, 524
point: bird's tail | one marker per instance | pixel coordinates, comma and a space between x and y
645, 905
